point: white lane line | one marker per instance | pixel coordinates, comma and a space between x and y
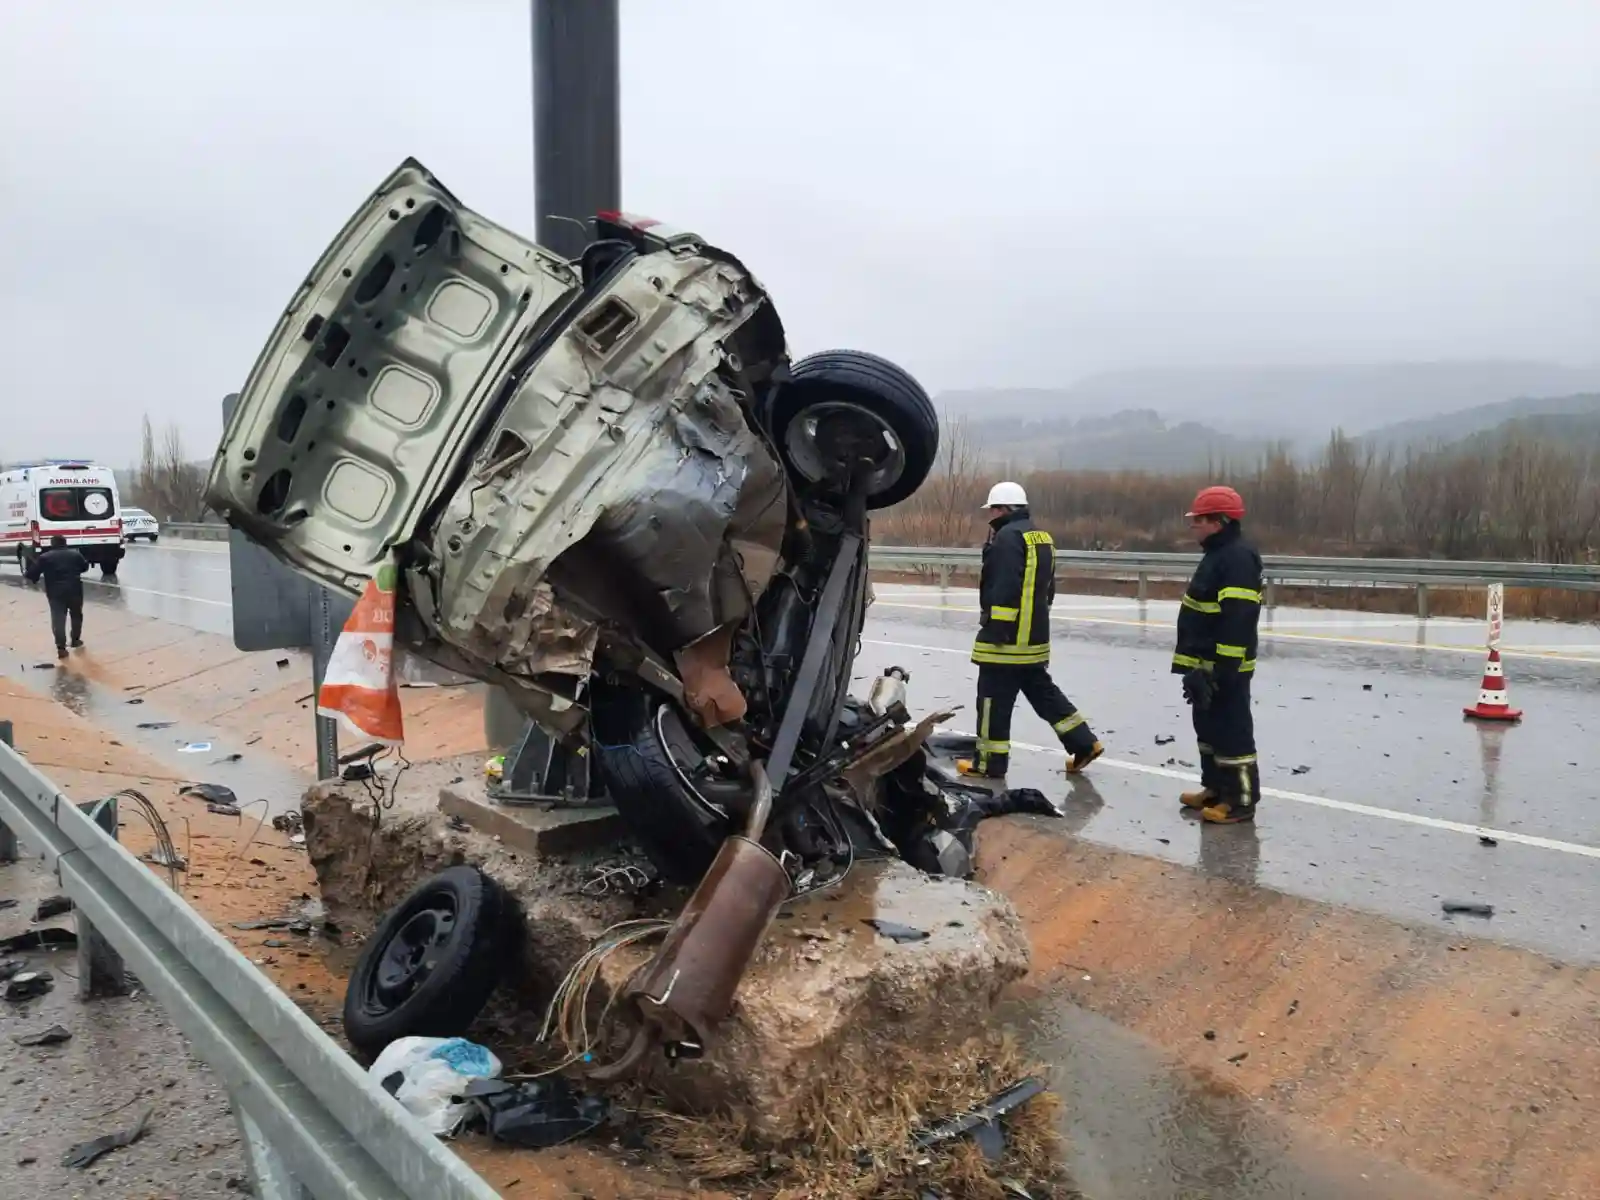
122, 587
1268, 633
1363, 810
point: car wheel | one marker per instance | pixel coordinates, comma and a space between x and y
647, 758
154, 538
431, 965
850, 403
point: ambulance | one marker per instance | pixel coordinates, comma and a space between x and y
72, 497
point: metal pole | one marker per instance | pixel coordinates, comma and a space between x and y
1422, 601
322, 638
8, 839
577, 123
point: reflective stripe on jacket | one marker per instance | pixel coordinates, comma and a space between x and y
1014, 592
1217, 621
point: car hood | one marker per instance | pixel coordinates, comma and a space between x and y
375, 375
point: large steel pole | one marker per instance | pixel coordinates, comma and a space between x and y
577, 172
577, 119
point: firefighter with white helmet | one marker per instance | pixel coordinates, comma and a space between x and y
1012, 650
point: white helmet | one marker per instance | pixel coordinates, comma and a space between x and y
1006, 494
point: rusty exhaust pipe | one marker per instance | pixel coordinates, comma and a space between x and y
687, 989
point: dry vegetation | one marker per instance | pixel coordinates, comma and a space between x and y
1512, 499
165, 483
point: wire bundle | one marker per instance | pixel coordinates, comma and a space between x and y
166, 853
567, 1019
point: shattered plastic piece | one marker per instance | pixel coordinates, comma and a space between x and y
228, 758
38, 939
212, 793
195, 748
10, 966
155, 724
1014, 1096
159, 858
897, 932
1468, 908
85, 1153
44, 666
1165, 739
225, 810
283, 662
357, 771
28, 985
1486, 840
1240, 1057
1300, 770
8, 902
429, 1076
537, 1114
289, 822
55, 1035
52, 906
137, 700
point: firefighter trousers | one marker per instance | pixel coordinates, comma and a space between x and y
1226, 733
998, 688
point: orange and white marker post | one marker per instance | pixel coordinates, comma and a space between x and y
1492, 702
359, 688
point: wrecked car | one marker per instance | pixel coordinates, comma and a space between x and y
607, 489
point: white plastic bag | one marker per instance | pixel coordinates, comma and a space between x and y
433, 1074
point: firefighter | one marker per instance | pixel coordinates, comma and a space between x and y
1216, 655
1013, 646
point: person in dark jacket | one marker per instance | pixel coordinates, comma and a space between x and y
1013, 647
1216, 655
62, 568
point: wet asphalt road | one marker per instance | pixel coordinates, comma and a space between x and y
1377, 790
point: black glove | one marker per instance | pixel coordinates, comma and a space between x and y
1198, 689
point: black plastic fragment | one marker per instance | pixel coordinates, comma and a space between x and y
896, 932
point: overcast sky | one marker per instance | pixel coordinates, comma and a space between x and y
1054, 188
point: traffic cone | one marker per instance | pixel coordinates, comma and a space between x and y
1491, 705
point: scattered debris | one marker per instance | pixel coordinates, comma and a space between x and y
289, 822
137, 700
1468, 908
275, 944
85, 1153
55, 1035
195, 748
535, 1114
1485, 840
1211, 1035
29, 985
357, 771
164, 858
1301, 770
282, 662
627, 879
228, 758
1294, 1007
1165, 739
1239, 1057
898, 933
155, 724
212, 793
44, 666
428, 1076
48, 938
10, 966
983, 1122
1366, 687
8, 902
225, 810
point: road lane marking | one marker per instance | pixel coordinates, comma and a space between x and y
1364, 810
122, 587
1266, 634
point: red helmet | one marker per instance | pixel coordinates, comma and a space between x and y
1218, 502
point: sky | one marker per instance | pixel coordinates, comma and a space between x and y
1053, 189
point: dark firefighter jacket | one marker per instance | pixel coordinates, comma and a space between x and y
62, 568
1217, 623
1015, 591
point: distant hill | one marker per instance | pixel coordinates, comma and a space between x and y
1556, 418
1262, 403
1126, 441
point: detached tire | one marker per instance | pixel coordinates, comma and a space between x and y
431, 965
886, 390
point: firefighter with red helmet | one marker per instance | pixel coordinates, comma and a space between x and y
1216, 656
1012, 650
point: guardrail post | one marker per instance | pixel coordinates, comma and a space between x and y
944, 578
1144, 587
100, 969
1270, 595
1422, 602
8, 840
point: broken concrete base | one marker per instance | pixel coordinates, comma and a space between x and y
826, 987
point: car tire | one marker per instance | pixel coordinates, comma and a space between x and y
877, 384
395, 991
680, 837
154, 538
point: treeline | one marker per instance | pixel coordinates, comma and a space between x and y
1510, 498
165, 483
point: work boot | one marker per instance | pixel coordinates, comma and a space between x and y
966, 766
1200, 799
1082, 758
1227, 813
77, 645
61, 651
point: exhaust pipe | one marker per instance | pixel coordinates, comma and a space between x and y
687, 989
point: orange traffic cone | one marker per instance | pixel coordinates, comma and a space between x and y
1491, 705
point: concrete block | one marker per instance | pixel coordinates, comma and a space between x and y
532, 829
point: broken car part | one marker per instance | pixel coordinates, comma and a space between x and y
85, 1153
52, 1036
28, 985
600, 477
687, 989
432, 963
536, 1114
211, 793
1013, 1097
52, 906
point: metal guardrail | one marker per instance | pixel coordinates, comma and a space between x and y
1420, 573
313, 1124
207, 532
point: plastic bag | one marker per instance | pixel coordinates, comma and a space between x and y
429, 1075
359, 689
